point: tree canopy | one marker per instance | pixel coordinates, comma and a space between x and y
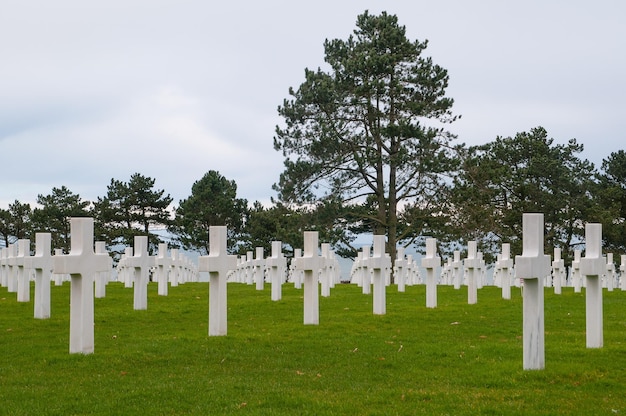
369, 130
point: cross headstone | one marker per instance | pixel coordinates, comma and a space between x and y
575, 273
400, 269
366, 277
12, 268
102, 278
610, 272
377, 263
81, 264
259, 269
298, 275
472, 265
558, 268
140, 263
506, 265
430, 262
622, 272
4, 252
58, 277
276, 263
23, 274
310, 263
592, 266
325, 273
218, 263
163, 265
41, 262
532, 266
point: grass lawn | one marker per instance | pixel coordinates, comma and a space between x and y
453, 360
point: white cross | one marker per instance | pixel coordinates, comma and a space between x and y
430, 262
472, 264
140, 263
102, 278
505, 264
276, 264
23, 274
41, 262
259, 272
592, 266
558, 266
81, 264
12, 268
378, 262
218, 263
163, 263
532, 266
4, 273
310, 263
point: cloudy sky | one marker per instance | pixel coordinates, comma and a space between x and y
94, 90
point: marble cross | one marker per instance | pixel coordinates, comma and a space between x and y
472, 265
102, 278
82, 263
163, 265
310, 263
532, 266
592, 266
41, 262
275, 263
558, 268
506, 265
377, 263
23, 273
430, 262
218, 263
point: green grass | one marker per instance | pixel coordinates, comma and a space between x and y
453, 360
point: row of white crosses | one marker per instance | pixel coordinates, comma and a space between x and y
257, 270
533, 266
17, 267
175, 269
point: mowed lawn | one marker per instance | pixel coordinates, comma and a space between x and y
452, 360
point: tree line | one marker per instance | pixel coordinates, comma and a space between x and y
367, 150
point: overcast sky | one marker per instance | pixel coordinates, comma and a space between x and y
94, 90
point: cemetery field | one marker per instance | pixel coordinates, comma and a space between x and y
453, 360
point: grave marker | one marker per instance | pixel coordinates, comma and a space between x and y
472, 265
81, 264
276, 263
558, 268
218, 263
532, 266
23, 274
163, 265
592, 266
41, 262
400, 269
102, 278
378, 262
310, 263
259, 272
506, 265
430, 262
